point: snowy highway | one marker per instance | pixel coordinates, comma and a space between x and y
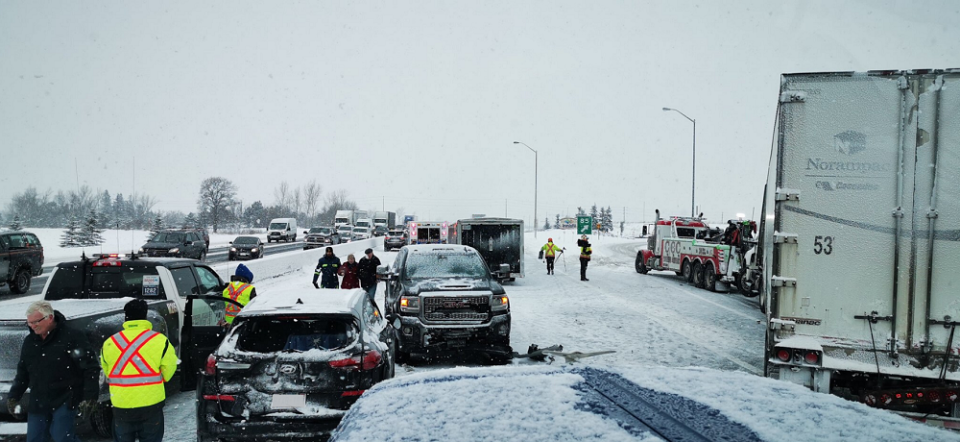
649, 320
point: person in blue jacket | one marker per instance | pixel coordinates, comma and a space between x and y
327, 266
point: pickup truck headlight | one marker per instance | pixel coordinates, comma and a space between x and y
253, 250
409, 304
174, 250
499, 303
141, 250
233, 249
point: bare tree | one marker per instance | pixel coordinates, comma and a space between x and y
216, 198
282, 193
311, 196
295, 200
141, 206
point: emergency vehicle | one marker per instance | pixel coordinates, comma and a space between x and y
427, 232
706, 257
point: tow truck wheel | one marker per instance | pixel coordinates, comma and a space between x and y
698, 275
686, 270
640, 265
709, 277
21, 282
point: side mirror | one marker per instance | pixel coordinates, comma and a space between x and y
231, 242
189, 243
383, 273
305, 232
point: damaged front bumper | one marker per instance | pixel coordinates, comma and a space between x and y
417, 336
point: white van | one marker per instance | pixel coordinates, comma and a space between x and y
282, 229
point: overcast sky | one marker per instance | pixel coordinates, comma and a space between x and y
418, 103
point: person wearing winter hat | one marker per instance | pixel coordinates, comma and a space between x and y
240, 289
549, 251
585, 252
368, 273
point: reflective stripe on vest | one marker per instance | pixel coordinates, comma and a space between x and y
130, 354
234, 293
551, 249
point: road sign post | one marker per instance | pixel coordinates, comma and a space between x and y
584, 225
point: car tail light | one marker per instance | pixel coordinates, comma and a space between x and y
812, 358
211, 368
951, 395
370, 360
783, 355
219, 397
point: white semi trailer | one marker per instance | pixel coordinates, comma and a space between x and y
860, 241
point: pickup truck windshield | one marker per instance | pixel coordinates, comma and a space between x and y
104, 282
321, 230
297, 334
444, 265
169, 237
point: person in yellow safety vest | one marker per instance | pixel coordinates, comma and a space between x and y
137, 361
585, 252
550, 252
240, 289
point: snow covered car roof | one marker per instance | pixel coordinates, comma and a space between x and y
441, 247
305, 301
591, 404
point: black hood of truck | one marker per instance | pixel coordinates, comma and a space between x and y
417, 286
161, 245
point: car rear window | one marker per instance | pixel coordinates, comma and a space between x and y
295, 334
88, 282
441, 264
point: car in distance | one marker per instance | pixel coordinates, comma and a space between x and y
176, 244
319, 237
346, 232
292, 364
245, 247
443, 299
361, 233
21, 258
582, 403
394, 239
379, 230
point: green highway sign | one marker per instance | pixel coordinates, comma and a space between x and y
584, 225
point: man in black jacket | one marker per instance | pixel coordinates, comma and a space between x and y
327, 266
368, 273
56, 363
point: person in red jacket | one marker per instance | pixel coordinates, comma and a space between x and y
349, 270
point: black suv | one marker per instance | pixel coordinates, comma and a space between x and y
443, 299
292, 364
176, 243
21, 258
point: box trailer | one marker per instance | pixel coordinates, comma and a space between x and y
499, 241
860, 247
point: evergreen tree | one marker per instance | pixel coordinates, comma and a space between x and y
157, 226
546, 223
580, 211
606, 219
556, 225
71, 236
16, 224
91, 235
190, 222
595, 214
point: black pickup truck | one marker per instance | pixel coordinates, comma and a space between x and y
443, 299
21, 258
183, 295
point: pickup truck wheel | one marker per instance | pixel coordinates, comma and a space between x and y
21, 282
640, 265
101, 420
686, 270
697, 275
710, 277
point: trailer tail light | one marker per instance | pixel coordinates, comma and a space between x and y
812, 358
219, 397
783, 355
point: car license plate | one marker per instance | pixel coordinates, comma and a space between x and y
244, 254
287, 401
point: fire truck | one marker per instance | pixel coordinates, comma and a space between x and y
708, 258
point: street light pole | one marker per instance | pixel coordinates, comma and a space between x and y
693, 185
535, 184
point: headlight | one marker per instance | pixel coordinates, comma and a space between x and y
174, 250
253, 250
141, 250
409, 304
233, 249
499, 303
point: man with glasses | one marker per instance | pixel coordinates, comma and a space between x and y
368, 273
57, 365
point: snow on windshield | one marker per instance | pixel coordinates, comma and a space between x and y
168, 237
246, 240
445, 265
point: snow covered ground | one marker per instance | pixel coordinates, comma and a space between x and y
653, 321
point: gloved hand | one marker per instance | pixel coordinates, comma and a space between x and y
88, 407
12, 405
316, 285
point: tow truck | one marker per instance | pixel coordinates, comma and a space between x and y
708, 258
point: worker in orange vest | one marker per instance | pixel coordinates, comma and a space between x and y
241, 290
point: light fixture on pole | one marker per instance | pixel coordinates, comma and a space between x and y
535, 185
693, 185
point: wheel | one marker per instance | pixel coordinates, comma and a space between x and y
686, 270
21, 282
698, 275
101, 420
763, 304
640, 265
748, 284
710, 277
